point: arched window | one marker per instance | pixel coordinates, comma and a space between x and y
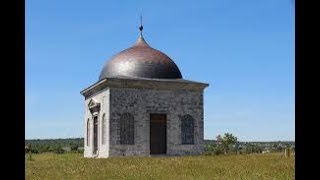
187, 129
126, 129
88, 131
103, 128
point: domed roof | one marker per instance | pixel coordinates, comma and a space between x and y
141, 61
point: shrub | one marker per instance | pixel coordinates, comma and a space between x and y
58, 150
74, 147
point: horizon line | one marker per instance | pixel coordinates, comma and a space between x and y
204, 139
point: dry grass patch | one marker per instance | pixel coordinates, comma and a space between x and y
74, 166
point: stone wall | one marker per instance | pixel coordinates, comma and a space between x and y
141, 98
140, 103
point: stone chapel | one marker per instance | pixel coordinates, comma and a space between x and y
142, 106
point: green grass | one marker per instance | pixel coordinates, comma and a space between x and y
74, 166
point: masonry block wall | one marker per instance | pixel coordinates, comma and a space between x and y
140, 100
140, 103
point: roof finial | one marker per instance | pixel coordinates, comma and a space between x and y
141, 27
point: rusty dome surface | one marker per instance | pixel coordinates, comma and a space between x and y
141, 61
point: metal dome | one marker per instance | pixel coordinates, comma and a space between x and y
141, 61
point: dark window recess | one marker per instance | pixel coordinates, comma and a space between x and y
95, 135
126, 129
187, 129
88, 132
103, 129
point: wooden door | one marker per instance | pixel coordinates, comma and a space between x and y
158, 133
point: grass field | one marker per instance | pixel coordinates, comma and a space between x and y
74, 166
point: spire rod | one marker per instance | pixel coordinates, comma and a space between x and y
141, 27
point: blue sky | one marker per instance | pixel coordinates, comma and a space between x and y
243, 49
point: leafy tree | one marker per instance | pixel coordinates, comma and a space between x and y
227, 141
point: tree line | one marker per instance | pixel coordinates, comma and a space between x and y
54, 145
229, 144
224, 144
